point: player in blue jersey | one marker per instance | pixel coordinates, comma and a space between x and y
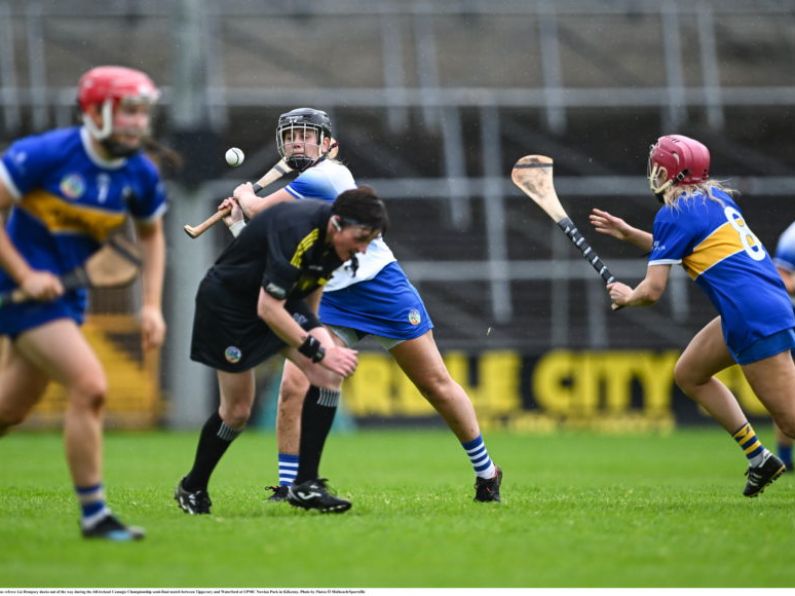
68, 189
784, 260
369, 295
701, 227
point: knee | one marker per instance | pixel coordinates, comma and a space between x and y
236, 416
292, 391
684, 378
89, 391
437, 388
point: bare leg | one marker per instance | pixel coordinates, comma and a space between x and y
288, 416
773, 382
21, 386
706, 355
63, 354
237, 397
421, 361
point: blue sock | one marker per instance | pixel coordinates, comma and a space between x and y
479, 457
92, 503
785, 454
288, 468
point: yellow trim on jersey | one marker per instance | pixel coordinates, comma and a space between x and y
303, 246
59, 215
722, 243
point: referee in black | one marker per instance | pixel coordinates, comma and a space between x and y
259, 299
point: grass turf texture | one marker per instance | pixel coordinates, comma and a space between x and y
578, 510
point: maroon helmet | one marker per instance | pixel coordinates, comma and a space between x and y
107, 86
675, 160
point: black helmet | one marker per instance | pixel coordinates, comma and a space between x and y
304, 118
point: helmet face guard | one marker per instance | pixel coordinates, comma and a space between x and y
299, 123
676, 160
111, 86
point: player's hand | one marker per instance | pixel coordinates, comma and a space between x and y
42, 285
340, 360
153, 327
605, 223
235, 212
246, 199
619, 294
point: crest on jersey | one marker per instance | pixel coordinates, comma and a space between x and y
73, 186
415, 318
233, 354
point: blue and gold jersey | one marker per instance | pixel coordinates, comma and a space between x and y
68, 199
712, 241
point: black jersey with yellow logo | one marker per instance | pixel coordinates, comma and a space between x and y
282, 250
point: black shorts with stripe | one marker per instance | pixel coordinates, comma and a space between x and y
227, 333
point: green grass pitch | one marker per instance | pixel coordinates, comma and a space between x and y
579, 510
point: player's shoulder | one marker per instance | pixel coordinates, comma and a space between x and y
57, 141
141, 163
331, 170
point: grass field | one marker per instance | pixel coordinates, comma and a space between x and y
579, 510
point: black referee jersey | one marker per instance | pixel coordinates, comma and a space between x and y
282, 249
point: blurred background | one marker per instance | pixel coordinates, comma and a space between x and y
432, 104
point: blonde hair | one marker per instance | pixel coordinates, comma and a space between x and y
673, 194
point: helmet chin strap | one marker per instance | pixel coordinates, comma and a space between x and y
103, 133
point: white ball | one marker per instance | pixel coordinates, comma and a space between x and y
234, 156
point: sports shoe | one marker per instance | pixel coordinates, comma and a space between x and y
279, 493
195, 502
762, 475
313, 494
110, 528
488, 489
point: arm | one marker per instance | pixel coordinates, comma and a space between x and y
606, 223
646, 292
244, 203
41, 285
251, 204
335, 358
313, 300
153, 244
272, 311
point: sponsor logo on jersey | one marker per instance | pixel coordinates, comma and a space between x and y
415, 318
233, 354
73, 186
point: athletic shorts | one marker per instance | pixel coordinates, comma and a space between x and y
16, 319
385, 306
783, 341
229, 336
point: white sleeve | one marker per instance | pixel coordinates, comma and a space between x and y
237, 227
